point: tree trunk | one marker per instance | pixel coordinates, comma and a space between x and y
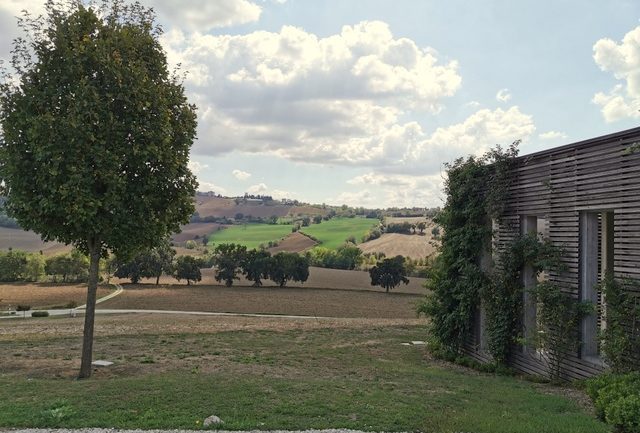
90, 310
158, 279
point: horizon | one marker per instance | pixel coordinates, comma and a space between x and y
332, 102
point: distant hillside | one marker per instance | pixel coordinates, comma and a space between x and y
258, 208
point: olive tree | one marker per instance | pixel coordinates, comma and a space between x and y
95, 135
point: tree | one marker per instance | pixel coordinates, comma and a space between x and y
288, 267
96, 135
421, 226
227, 259
160, 260
188, 268
389, 273
255, 266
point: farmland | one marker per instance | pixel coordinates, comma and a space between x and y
19, 239
393, 244
333, 233
250, 235
45, 295
330, 234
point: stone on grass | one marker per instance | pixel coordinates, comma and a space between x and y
406, 344
212, 420
418, 343
101, 363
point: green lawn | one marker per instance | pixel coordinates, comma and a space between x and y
267, 380
250, 235
333, 233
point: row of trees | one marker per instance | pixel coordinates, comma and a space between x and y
23, 266
232, 260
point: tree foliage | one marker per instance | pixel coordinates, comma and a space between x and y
96, 135
288, 267
188, 268
255, 266
227, 260
389, 273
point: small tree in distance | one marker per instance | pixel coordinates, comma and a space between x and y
188, 268
227, 260
255, 266
389, 273
95, 135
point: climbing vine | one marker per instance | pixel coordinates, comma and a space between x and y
503, 297
476, 189
621, 336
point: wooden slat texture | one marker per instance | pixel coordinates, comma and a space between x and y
558, 184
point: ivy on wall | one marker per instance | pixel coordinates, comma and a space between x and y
476, 188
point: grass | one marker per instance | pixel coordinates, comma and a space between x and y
250, 235
333, 233
320, 378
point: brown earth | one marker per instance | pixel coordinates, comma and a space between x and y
393, 244
41, 295
196, 231
29, 241
319, 278
294, 243
219, 207
266, 300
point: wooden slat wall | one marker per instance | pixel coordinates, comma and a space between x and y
557, 184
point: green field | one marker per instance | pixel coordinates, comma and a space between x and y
267, 380
250, 235
333, 233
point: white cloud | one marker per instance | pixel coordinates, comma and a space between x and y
552, 135
403, 190
623, 61
279, 194
503, 95
300, 96
259, 188
241, 175
196, 167
204, 15
472, 104
361, 198
208, 186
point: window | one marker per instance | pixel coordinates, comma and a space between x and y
596, 259
530, 224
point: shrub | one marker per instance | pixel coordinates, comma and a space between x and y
190, 245
23, 307
617, 400
40, 314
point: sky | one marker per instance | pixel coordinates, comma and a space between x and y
362, 102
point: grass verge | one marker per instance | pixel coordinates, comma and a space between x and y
321, 378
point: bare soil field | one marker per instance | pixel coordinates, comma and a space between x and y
217, 206
19, 239
393, 244
196, 231
266, 300
412, 220
294, 243
45, 295
319, 278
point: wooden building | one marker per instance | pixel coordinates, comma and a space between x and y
585, 197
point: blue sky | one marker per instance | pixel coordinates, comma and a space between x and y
362, 101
